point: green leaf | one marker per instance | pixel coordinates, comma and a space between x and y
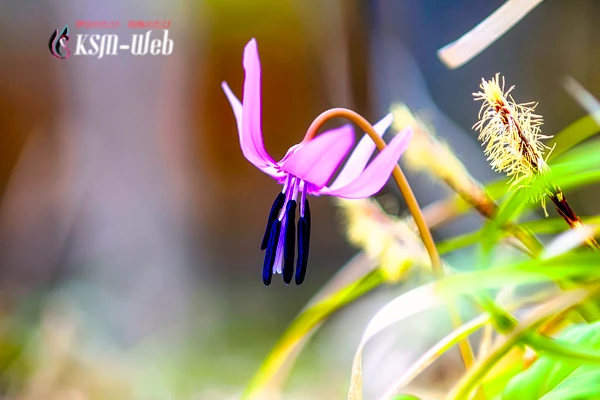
551, 379
554, 225
493, 230
582, 384
460, 241
500, 374
565, 267
574, 134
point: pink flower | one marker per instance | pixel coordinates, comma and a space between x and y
305, 170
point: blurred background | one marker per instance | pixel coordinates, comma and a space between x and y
130, 222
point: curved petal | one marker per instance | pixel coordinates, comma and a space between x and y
360, 156
236, 106
248, 116
377, 173
251, 135
315, 161
267, 165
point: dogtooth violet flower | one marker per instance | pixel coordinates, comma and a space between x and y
305, 170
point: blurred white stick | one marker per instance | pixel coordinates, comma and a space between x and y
583, 97
461, 51
568, 241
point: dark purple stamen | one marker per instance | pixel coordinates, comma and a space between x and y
303, 244
289, 244
275, 208
307, 214
267, 273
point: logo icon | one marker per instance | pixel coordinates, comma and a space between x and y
58, 42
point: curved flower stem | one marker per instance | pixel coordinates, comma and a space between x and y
413, 206
398, 175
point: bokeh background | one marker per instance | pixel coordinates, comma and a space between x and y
130, 222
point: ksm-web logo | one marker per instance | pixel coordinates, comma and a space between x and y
58, 43
151, 42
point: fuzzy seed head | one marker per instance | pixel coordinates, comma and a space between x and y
510, 133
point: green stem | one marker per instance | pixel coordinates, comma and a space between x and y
557, 348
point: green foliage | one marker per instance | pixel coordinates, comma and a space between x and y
552, 379
572, 135
582, 384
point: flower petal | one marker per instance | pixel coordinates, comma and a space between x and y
246, 143
377, 173
315, 161
360, 156
248, 116
236, 106
251, 107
